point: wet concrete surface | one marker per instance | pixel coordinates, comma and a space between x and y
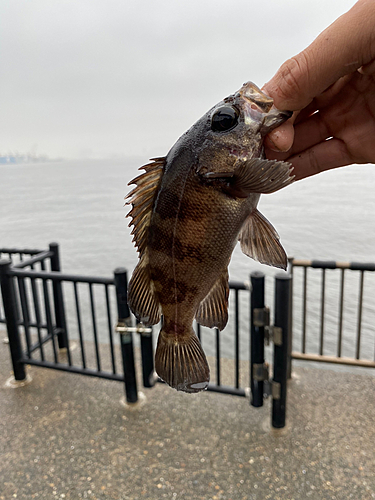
68, 436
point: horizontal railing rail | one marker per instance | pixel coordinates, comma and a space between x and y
332, 264
39, 257
59, 276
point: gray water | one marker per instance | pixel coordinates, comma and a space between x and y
80, 204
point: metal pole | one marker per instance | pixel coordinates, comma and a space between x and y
280, 359
127, 350
10, 311
58, 299
147, 360
257, 340
290, 339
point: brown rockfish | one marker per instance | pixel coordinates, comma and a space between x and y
189, 209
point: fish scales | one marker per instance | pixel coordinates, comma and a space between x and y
188, 211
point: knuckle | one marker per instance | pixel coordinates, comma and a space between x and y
293, 76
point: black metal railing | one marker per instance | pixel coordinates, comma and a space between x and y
48, 313
49, 310
333, 312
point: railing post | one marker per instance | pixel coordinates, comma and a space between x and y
10, 311
147, 353
290, 338
127, 350
256, 341
280, 358
58, 299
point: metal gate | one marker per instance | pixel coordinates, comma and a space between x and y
45, 311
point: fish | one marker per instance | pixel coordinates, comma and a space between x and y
188, 210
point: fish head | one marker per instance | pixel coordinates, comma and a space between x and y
235, 129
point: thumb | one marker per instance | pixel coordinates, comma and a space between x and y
339, 50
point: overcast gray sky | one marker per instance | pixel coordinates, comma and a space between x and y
93, 78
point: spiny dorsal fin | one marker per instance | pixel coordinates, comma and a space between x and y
141, 296
181, 362
213, 310
260, 241
255, 176
142, 198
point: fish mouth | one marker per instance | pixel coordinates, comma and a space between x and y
258, 99
261, 109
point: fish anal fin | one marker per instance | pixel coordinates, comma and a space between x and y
213, 310
260, 241
181, 362
142, 198
141, 295
255, 175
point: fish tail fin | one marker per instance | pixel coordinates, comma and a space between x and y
181, 362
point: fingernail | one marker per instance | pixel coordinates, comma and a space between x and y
271, 145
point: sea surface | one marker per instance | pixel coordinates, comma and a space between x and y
80, 205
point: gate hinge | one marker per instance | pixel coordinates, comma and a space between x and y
260, 371
273, 334
261, 316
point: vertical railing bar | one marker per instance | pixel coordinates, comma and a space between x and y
359, 325
25, 313
322, 312
80, 333
110, 333
47, 305
237, 341
290, 269
94, 327
304, 310
218, 378
199, 332
341, 313
49, 319
37, 315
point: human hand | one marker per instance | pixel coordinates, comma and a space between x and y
331, 88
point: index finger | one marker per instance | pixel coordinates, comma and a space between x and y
339, 50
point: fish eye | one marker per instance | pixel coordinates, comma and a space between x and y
224, 119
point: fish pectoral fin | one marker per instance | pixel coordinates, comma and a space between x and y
181, 362
259, 176
141, 296
142, 198
260, 241
213, 310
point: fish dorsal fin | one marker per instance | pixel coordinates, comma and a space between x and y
141, 295
260, 241
213, 310
255, 175
142, 198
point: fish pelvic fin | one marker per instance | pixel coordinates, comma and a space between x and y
260, 241
213, 310
142, 299
142, 199
181, 362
